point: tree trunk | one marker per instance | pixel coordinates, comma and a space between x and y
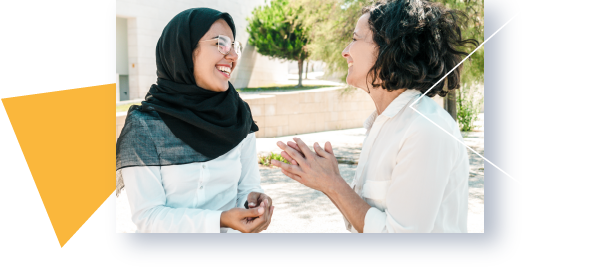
450, 103
306, 74
300, 63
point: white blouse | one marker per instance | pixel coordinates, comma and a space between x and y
190, 198
413, 174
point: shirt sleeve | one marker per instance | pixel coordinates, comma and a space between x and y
418, 181
250, 177
147, 201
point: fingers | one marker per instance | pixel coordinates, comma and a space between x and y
304, 148
329, 148
270, 216
260, 223
268, 205
294, 154
291, 175
288, 158
292, 168
266, 199
253, 212
320, 151
253, 199
294, 146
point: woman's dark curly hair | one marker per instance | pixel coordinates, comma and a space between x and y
419, 43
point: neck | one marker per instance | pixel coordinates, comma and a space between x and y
382, 98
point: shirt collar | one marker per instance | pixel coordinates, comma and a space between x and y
369, 121
395, 106
399, 102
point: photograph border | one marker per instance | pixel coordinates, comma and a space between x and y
503, 196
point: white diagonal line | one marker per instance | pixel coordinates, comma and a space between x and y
465, 145
444, 77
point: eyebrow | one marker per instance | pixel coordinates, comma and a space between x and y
220, 35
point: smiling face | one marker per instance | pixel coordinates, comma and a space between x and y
360, 54
212, 69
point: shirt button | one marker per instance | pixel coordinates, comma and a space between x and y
203, 166
201, 187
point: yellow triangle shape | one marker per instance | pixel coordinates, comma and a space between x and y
68, 140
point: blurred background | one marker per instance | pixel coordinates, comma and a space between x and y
280, 38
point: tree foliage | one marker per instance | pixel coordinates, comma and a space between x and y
472, 69
276, 30
332, 24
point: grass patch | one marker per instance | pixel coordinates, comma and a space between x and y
266, 160
284, 88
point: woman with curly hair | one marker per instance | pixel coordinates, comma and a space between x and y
412, 176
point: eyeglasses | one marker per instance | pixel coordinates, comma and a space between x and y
225, 44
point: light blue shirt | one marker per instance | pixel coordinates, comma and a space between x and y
190, 198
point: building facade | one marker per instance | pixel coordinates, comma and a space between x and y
139, 25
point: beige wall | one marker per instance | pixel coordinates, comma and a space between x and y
281, 114
291, 113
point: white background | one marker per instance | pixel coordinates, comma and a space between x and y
541, 128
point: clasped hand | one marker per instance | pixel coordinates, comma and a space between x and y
252, 220
317, 170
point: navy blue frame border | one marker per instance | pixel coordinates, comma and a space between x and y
503, 197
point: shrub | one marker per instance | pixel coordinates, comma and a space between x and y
469, 101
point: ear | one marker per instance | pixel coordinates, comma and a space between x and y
195, 52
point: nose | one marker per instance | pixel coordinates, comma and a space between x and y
232, 56
346, 51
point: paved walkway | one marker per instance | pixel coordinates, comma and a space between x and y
303, 210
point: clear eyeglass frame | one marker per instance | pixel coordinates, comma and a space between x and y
224, 45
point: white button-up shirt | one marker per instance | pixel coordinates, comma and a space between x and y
413, 174
190, 198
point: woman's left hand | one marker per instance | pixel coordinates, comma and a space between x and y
255, 198
317, 170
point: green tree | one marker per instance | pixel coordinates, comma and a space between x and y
465, 103
276, 30
473, 68
332, 23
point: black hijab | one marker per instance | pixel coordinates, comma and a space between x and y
179, 122
210, 122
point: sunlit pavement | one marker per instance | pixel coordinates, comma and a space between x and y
299, 209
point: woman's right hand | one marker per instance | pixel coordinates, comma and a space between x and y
251, 220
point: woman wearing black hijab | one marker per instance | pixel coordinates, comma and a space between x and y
187, 155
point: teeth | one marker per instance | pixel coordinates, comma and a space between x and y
350, 64
224, 69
